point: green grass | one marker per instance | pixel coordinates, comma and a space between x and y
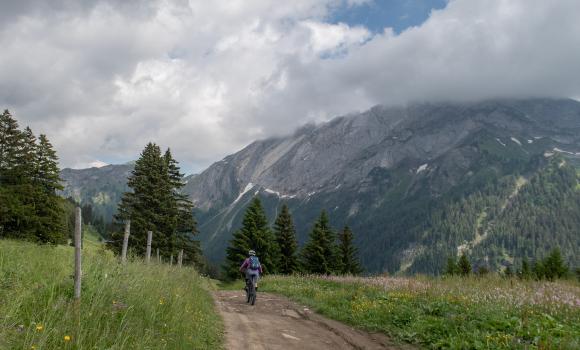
454, 313
122, 307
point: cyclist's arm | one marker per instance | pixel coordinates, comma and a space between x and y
245, 265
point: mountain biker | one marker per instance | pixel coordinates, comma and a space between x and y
251, 267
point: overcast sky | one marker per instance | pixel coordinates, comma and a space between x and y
103, 77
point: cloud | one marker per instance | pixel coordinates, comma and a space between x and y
104, 77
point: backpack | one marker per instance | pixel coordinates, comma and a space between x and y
254, 263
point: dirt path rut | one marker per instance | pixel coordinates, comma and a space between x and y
278, 323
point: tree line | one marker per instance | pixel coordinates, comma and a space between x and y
549, 268
29, 180
277, 247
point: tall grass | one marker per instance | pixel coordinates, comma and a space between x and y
122, 307
447, 313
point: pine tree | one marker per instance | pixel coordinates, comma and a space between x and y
11, 147
286, 237
254, 234
156, 204
525, 272
319, 253
348, 254
185, 224
464, 267
49, 207
554, 266
451, 267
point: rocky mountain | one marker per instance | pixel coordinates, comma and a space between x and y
392, 174
494, 179
101, 187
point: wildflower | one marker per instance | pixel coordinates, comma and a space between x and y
161, 302
67, 338
33, 347
114, 302
39, 327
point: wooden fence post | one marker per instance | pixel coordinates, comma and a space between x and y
171, 260
149, 239
78, 243
158, 259
180, 258
126, 241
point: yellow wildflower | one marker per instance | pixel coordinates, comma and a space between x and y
39, 327
33, 347
161, 302
67, 338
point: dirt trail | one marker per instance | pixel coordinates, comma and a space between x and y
278, 323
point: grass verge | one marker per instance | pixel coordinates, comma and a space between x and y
122, 307
454, 313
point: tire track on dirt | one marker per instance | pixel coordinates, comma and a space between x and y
278, 323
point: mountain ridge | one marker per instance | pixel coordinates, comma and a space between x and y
394, 165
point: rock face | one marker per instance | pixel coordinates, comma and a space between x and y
397, 176
362, 166
100, 187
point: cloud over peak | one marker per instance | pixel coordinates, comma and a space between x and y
104, 77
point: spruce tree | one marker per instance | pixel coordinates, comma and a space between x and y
254, 234
463, 265
348, 254
50, 207
286, 237
319, 253
185, 224
554, 266
29, 179
451, 267
156, 204
525, 272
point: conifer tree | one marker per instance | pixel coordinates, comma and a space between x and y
155, 204
286, 237
185, 224
525, 272
554, 266
319, 253
254, 234
49, 209
464, 266
348, 254
451, 267
11, 146
29, 179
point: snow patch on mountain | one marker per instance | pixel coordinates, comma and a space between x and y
516, 140
422, 168
246, 190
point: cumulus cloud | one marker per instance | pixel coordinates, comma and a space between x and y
103, 77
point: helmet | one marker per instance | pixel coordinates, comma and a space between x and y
251, 253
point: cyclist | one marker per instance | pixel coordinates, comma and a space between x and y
251, 267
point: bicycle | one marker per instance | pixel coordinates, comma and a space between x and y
251, 290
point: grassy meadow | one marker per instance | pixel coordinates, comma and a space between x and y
446, 313
122, 307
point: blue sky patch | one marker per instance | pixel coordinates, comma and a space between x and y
378, 14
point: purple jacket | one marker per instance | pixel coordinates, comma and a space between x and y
246, 265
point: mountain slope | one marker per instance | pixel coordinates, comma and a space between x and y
100, 187
389, 172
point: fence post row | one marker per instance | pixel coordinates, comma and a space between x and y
78, 243
126, 241
149, 238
